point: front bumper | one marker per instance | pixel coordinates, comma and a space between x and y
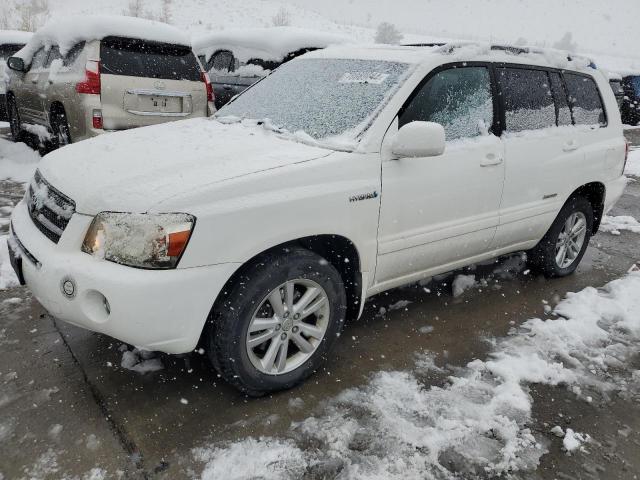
161, 310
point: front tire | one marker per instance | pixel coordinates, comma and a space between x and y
277, 322
560, 251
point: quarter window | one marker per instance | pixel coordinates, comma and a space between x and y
459, 99
560, 96
222, 62
584, 99
528, 99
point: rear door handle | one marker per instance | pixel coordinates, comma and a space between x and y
491, 160
570, 146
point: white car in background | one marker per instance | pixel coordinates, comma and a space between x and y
344, 173
236, 59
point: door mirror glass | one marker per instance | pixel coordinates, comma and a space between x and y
419, 139
16, 63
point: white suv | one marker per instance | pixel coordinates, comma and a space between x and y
344, 173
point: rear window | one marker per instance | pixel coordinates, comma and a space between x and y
528, 99
585, 100
138, 58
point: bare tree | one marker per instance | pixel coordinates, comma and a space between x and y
388, 33
33, 14
165, 12
282, 18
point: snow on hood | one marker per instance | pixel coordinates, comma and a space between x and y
14, 37
71, 30
133, 170
273, 43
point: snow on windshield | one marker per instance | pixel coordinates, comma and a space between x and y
324, 98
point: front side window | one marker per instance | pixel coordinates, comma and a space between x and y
322, 97
585, 101
54, 54
37, 62
459, 99
528, 99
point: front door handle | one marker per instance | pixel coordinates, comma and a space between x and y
491, 160
570, 146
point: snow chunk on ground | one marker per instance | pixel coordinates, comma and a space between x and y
398, 427
613, 225
633, 164
17, 161
574, 440
462, 283
141, 361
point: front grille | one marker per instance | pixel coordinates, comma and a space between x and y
49, 209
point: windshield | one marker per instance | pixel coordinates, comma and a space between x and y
324, 98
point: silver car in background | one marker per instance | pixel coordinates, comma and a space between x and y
77, 87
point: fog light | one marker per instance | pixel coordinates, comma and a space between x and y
68, 287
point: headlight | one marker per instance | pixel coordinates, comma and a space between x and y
139, 240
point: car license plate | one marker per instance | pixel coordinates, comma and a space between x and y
160, 104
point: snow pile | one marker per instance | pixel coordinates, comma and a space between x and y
613, 225
475, 424
574, 440
17, 161
70, 30
140, 361
272, 44
462, 283
633, 164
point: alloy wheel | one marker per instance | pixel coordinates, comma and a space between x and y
288, 326
571, 239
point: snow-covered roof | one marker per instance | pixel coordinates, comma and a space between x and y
458, 51
74, 29
273, 43
14, 37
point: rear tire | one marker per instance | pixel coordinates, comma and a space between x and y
60, 128
561, 249
246, 334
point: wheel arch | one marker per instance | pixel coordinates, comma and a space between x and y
595, 193
338, 250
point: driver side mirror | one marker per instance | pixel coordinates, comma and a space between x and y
419, 139
17, 64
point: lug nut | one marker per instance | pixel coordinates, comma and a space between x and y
286, 314
296, 316
294, 329
277, 327
283, 336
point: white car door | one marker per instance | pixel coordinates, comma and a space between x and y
438, 212
542, 153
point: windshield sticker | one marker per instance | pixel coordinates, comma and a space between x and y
364, 77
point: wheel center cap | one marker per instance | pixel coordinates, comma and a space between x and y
287, 324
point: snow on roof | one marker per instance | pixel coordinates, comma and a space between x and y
458, 51
77, 28
273, 43
14, 37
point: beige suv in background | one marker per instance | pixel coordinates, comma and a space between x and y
113, 83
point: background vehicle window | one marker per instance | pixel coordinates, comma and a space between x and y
138, 58
560, 96
8, 50
38, 59
528, 100
584, 99
222, 62
73, 54
54, 54
459, 99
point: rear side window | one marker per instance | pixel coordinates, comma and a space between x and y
73, 54
54, 54
560, 96
459, 99
138, 58
585, 100
528, 99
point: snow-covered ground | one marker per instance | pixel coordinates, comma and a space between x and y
17, 161
476, 421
